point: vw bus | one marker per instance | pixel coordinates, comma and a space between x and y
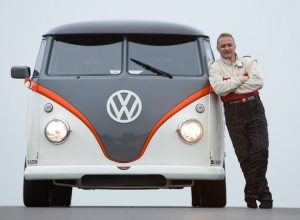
122, 105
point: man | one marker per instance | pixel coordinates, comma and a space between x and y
237, 81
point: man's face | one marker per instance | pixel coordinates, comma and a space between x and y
226, 48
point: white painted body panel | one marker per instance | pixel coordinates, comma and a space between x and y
169, 172
166, 154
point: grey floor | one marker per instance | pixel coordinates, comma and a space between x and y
146, 213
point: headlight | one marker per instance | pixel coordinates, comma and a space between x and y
57, 131
190, 131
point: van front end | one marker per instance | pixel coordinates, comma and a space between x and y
165, 153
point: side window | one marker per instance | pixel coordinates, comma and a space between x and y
39, 61
208, 52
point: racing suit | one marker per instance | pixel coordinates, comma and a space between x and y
245, 119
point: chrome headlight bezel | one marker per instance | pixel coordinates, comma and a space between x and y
64, 125
186, 124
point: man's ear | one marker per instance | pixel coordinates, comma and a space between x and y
218, 48
234, 46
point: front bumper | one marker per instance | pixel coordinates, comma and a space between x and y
169, 172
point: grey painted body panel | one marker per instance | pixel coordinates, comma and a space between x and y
124, 28
124, 142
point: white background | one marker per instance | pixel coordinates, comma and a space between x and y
267, 30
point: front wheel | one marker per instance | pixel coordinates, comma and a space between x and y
209, 193
43, 193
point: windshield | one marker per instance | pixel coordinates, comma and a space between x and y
177, 56
86, 56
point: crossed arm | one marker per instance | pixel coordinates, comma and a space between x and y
245, 83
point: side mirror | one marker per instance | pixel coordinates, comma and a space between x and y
20, 72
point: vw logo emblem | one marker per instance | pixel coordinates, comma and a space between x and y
124, 106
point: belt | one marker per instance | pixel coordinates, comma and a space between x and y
243, 100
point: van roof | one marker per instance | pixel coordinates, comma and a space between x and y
124, 28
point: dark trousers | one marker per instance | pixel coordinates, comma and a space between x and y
247, 127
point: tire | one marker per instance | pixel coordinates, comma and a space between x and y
60, 196
43, 193
36, 193
208, 193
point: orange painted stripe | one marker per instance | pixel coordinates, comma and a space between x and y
177, 108
61, 101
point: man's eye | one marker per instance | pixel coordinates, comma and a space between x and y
224, 46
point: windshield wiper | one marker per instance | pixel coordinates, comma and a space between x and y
152, 69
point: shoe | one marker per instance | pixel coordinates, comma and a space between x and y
251, 203
266, 204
